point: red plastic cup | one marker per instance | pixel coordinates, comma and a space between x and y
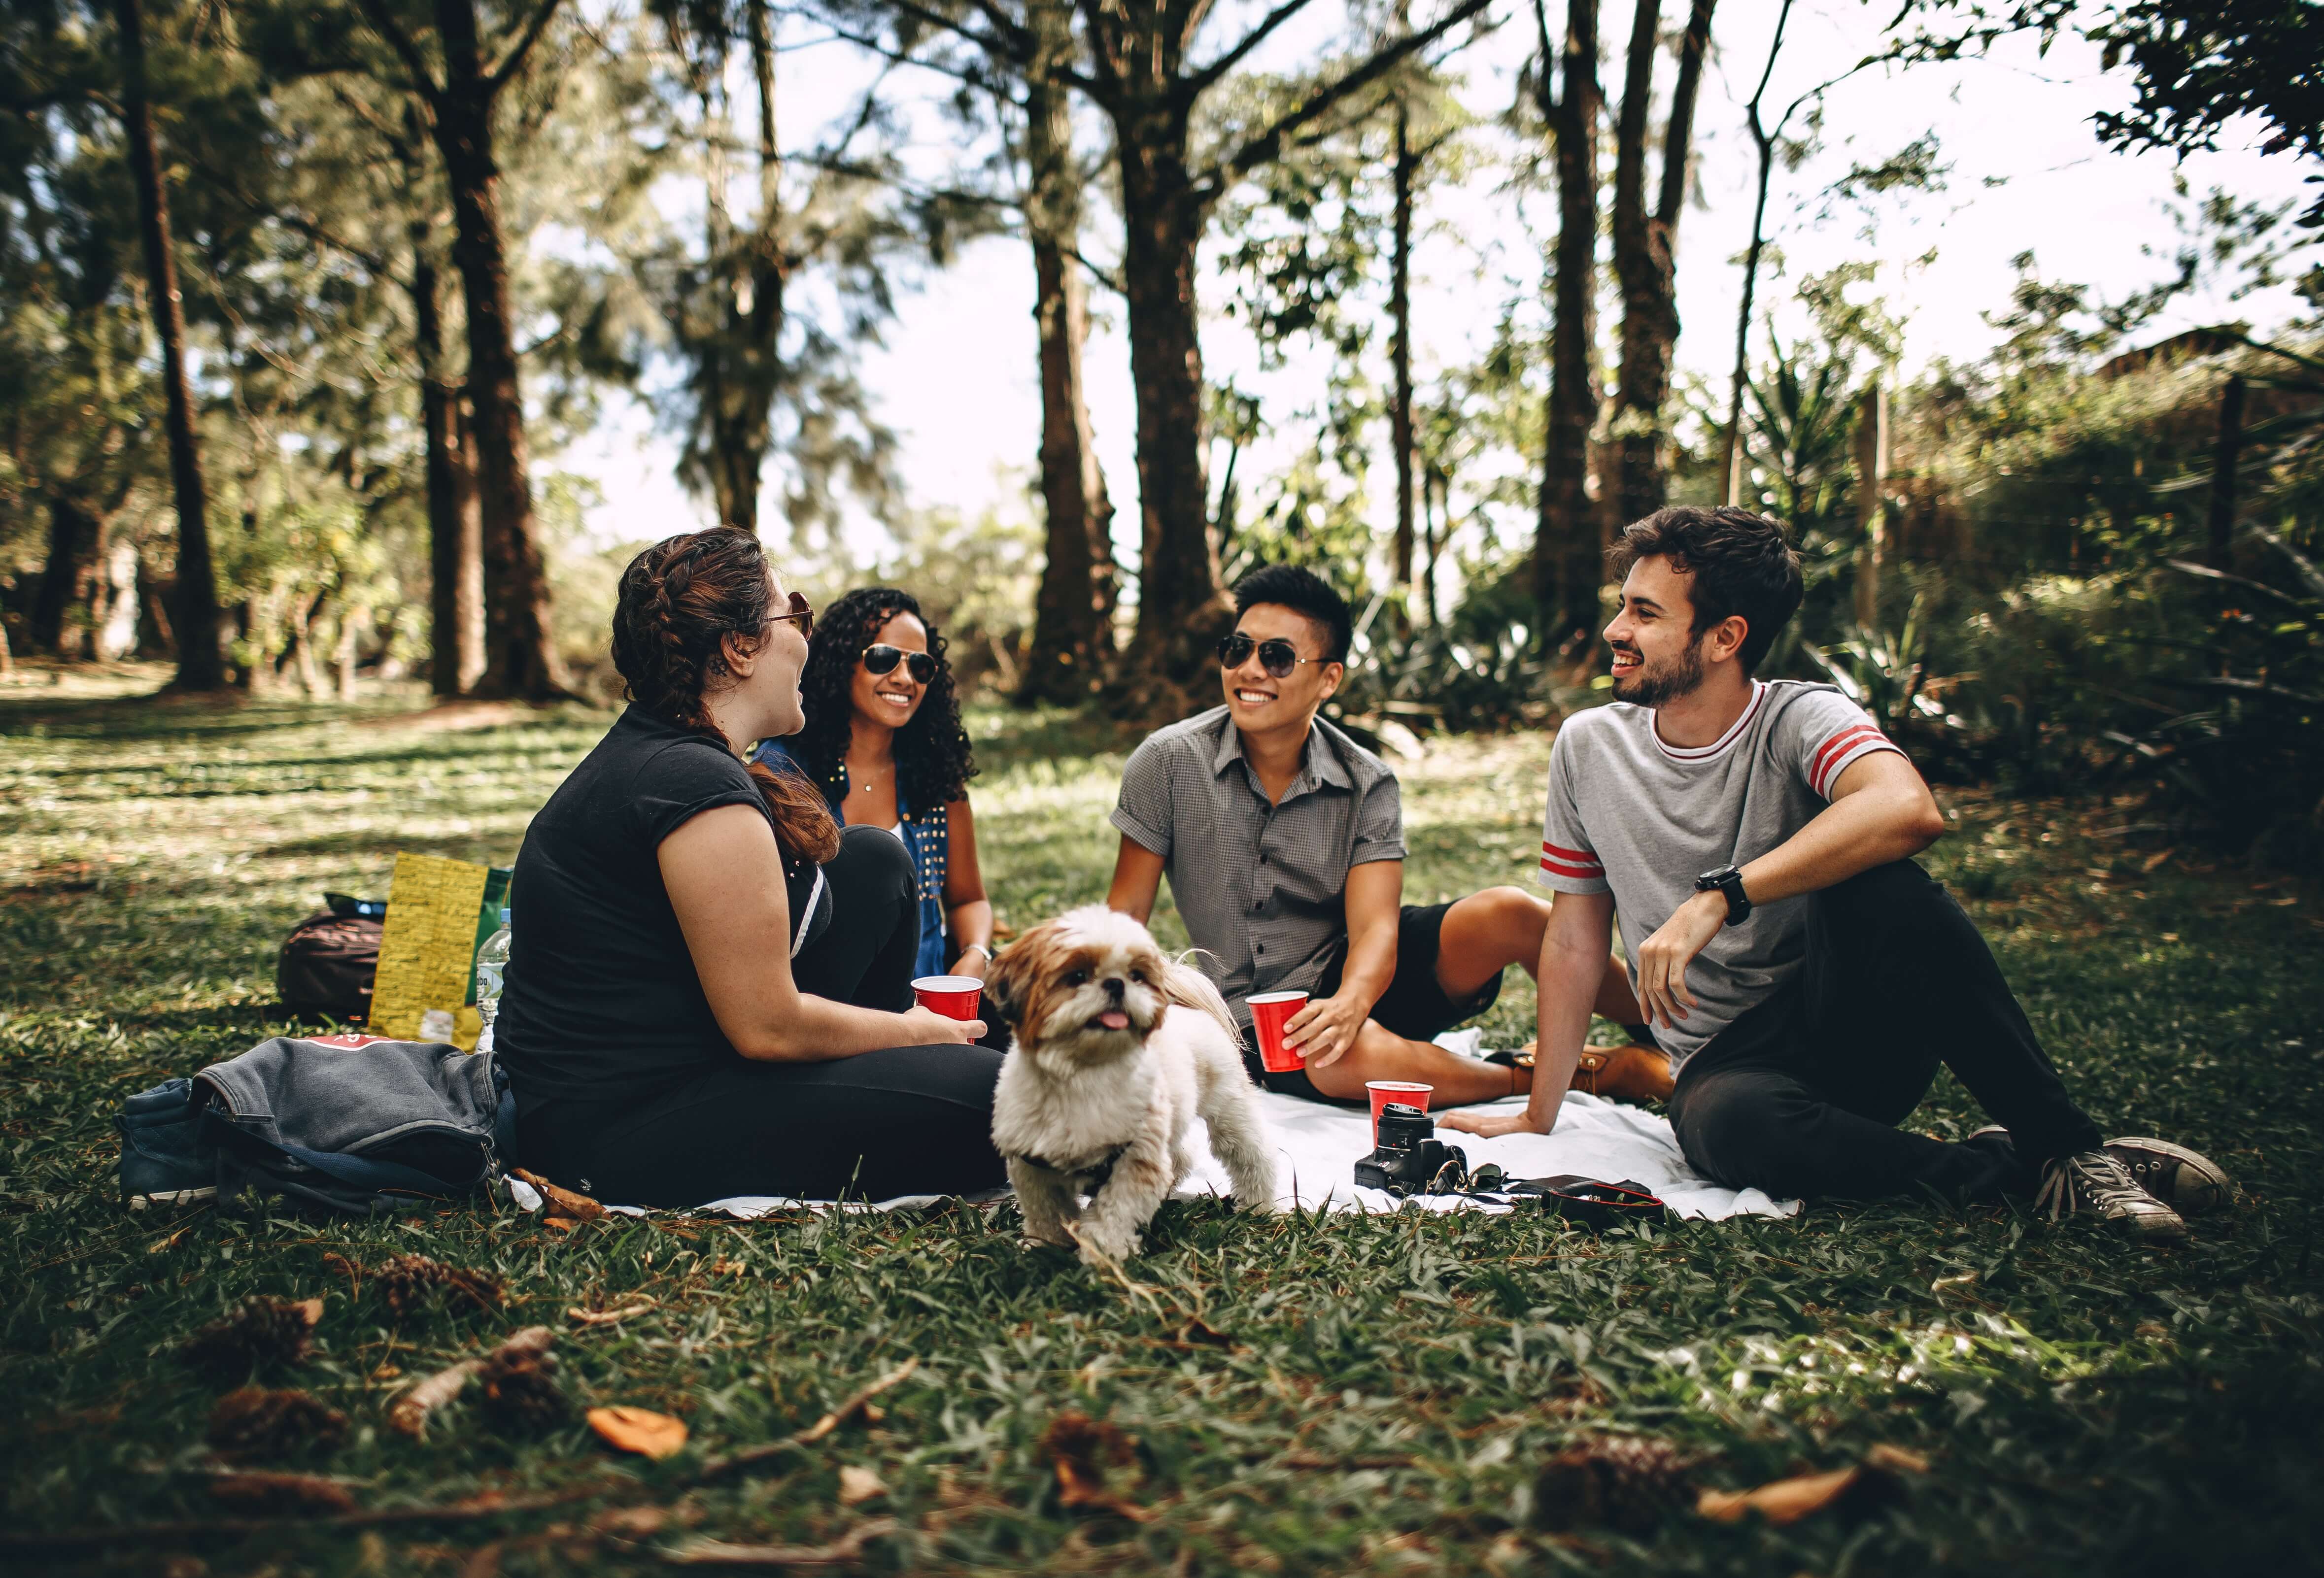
1269, 1012
1384, 1091
954, 996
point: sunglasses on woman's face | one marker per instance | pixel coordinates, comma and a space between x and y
801, 612
883, 658
1276, 655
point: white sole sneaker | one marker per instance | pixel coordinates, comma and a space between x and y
172, 1198
2187, 1181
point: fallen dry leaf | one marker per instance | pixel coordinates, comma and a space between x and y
283, 1493
858, 1485
1083, 1451
562, 1201
1898, 1460
1856, 1489
638, 1430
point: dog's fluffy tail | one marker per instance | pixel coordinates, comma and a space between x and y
1189, 987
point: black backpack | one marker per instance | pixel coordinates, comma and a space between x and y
329, 960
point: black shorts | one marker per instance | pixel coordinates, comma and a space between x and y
1413, 1006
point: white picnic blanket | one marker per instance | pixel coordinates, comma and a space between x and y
1317, 1148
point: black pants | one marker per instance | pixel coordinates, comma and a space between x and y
1801, 1096
1413, 1006
902, 1121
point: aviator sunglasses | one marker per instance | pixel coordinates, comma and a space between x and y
882, 658
1276, 655
801, 611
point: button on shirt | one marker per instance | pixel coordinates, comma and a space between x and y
1262, 887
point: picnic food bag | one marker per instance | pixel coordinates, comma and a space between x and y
439, 912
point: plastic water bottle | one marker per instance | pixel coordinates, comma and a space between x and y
491, 970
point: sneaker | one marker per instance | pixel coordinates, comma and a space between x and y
164, 1161
2095, 1183
2188, 1183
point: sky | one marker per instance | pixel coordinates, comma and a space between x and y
954, 376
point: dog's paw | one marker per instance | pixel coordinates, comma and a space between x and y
1044, 1240
1099, 1249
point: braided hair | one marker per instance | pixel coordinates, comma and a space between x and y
933, 759
679, 600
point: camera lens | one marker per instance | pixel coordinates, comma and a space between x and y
1401, 1127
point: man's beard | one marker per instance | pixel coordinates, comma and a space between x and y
1657, 686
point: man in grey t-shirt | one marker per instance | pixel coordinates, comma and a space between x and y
1755, 839
1283, 840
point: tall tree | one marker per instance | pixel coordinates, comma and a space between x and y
1645, 248
1763, 138
1567, 567
1404, 164
200, 665
331, 190
1073, 624
1021, 55
521, 660
1143, 76
728, 310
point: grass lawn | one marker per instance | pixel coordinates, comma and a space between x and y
1387, 1389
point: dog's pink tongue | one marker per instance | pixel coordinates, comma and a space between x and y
1114, 1019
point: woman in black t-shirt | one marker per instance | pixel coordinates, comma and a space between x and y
710, 991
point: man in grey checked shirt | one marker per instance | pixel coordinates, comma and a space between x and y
1284, 842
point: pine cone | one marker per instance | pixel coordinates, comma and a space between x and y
407, 1278
253, 1425
519, 1393
1625, 1483
263, 1331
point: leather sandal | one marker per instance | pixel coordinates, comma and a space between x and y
1631, 1073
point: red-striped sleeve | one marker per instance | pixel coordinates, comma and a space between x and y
1579, 864
1841, 748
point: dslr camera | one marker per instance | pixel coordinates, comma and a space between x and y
1409, 1159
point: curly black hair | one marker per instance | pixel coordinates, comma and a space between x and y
933, 758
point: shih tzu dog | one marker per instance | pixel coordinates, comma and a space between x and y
1116, 1050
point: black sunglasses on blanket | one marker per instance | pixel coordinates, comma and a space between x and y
882, 658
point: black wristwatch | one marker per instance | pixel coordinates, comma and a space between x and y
1728, 881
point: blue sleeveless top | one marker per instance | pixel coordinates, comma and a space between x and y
924, 833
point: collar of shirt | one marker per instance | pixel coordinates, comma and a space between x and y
1319, 764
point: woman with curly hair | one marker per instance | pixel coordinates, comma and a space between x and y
883, 742
670, 900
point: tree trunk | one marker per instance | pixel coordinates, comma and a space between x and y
2226, 454
738, 361
200, 666
1567, 564
351, 623
1646, 249
1073, 619
521, 657
1399, 312
1181, 608
1871, 502
112, 634
1763, 141
73, 534
454, 527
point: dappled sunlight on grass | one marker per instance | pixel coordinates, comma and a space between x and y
1382, 1391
